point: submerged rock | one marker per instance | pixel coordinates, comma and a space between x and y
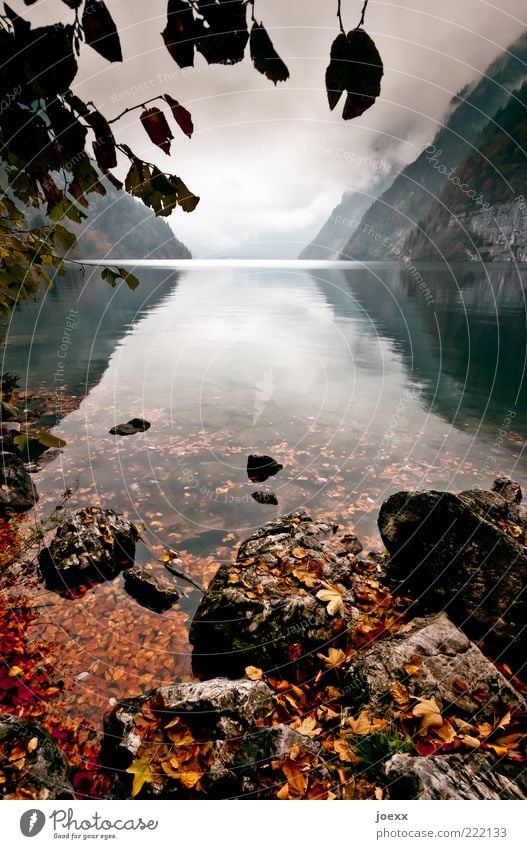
213, 732
288, 594
91, 545
130, 427
446, 666
150, 591
17, 491
259, 468
265, 497
465, 554
32, 764
473, 776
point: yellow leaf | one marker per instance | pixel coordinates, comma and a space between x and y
334, 599
140, 769
463, 726
32, 744
361, 725
190, 779
253, 673
414, 668
447, 732
299, 553
505, 720
378, 792
307, 578
307, 727
473, 742
283, 793
15, 672
335, 657
345, 751
400, 695
428, 712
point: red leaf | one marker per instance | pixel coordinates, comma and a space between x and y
181, 115
156, 125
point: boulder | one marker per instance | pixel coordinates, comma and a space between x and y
92, 545
209, 739
150, 591
288, 595
259, 468
509, 489
130, 427
473, 776
17, 491
31, 762
465, 554
443, 664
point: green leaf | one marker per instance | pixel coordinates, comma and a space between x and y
130, 279
28, 447
110, 276
63, 236
49, 439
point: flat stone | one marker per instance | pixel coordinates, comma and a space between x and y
149, 590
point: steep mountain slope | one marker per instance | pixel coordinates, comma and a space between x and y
385, 227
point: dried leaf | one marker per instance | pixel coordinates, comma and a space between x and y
334, 599
400, 695
427, 710
334, 658
253, 673
182, 117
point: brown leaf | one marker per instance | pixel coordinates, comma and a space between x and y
183, 119
400, 695
157, 128
253, 673
427, 710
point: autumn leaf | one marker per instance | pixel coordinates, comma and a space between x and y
307, 727
156, 126
296, 780
140, 769
182, 116
306, 578
334, 599
265, 58
100, 31
299, 553
427, 710
414, 668
253, 673
189, 778
400, 695
361, 725
334, 658
344, 751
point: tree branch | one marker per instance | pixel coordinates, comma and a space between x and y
138, 106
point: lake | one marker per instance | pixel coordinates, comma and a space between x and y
350, 377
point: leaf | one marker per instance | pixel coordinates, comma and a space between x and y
334, 658
296, 780
140, 769
265, 58
49, 440
253, 673
182, 116
130, 279
186, 200
299, 553
355, 67
334, 598
180, 32
100, 31
307, 727
345, 751
427, 710
400, 695
110, 276
306, 578
414, 668
189, 778
156, 126
361, 725
66, 239
32, 744
225, 37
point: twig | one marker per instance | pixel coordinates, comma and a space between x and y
184, 577
131, 108
339, 16
362, 14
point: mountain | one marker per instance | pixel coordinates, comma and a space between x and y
335, 233
387, 228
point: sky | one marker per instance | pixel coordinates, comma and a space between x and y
270, 163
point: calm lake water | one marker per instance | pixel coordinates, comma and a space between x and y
350, 378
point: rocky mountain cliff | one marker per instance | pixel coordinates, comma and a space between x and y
467, 169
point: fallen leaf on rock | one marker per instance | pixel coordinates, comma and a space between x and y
334, 599
253, 673
427, 710
400, 695
307, 727
334, 658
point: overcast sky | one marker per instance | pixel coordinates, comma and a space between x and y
270, 163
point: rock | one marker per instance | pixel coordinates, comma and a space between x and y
465, 554
12, 428
473, 776
91, 545
149, 590
223, 716
264, 610
509, 489
259, 468
17, 491
43, 773
265, 497
130, 427
44, 459
452, 670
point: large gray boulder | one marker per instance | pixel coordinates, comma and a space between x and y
465, 554
89, 546
203, 739
17, 490
31, 762
445, 665
266, 609
474, 776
